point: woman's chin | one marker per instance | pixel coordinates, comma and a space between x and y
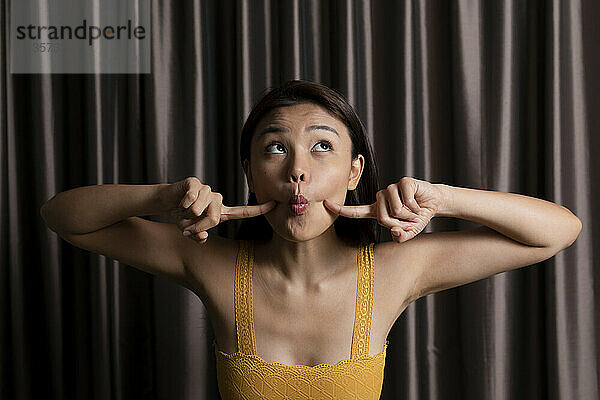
301, 232
300, 237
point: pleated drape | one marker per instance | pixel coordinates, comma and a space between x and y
497, 95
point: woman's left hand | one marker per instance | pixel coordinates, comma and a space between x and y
405, 207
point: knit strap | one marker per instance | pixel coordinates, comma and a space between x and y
244, 324
364, 301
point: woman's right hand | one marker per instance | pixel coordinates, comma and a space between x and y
196, 208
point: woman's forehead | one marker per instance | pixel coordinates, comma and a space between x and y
303, 113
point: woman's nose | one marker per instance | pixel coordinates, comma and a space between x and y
299, 166
298, 174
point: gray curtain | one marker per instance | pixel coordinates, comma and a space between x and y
496, 95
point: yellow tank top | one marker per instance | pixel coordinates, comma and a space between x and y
245, 375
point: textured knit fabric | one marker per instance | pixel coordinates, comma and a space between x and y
245, 375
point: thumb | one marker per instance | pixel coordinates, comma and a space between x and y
189, 196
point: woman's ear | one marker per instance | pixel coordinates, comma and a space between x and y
248, 173
358, 165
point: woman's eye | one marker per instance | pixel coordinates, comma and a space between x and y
324, 144
278, 146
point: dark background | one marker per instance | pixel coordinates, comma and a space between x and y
496, 95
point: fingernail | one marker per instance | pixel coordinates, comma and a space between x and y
187, 233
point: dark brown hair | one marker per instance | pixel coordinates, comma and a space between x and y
355, 230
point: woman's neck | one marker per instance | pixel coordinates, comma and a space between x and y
305, 264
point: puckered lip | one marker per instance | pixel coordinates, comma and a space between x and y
298, 199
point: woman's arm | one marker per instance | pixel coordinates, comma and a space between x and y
104, 219
528, 220
90, 208
517, 231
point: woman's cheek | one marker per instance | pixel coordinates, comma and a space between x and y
265, 194
338, 191
265, 190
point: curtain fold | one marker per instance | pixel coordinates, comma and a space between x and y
496, 95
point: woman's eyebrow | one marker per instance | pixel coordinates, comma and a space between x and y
310, 128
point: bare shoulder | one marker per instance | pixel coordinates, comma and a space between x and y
395, 265
436, 261
211, 266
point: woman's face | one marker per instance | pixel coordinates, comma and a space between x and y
301, 150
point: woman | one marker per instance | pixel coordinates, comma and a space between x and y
297, 305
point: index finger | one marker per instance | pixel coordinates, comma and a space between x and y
238, 212
364, 211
